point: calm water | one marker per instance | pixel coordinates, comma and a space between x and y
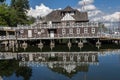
97, 64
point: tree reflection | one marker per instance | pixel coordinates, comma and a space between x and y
25, 72
9, 67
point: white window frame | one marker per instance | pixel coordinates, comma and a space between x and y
67, 23
35, 31
63, 31
85, 30
21, 31
71, 31
42, 30
93, 30
78, 30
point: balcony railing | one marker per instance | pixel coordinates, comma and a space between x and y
59, 25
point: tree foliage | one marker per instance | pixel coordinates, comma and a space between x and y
1, 1
9, 67
15, 13
20, 5
8, 16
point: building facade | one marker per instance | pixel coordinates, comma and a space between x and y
66, 23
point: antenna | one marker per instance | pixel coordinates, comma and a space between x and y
83, 6
119, 24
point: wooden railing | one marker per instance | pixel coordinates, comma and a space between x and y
59, 25
59, 36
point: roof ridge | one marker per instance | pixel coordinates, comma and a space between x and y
68, 8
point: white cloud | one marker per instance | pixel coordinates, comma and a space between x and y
86, 2
41, 10
95, 14
112, 17
93, 11
89, 7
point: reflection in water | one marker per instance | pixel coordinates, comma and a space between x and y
10, 65
64, 63
58, 48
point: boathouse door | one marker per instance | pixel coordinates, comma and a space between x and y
29, 33
52, 34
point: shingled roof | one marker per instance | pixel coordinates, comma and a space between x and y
57, 15
68, 9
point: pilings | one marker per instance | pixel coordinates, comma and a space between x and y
40, 45
52, 44
80, 44
98, 44
24, 45
69, 45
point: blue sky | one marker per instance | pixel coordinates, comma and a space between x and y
100, 9
54, 4
105, 5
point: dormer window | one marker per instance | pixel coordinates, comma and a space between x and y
67, 23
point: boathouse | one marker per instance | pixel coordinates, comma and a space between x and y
62, 24
66, 23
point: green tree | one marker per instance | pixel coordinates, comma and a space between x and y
15, 13
3, 10
1, 1
21, 7
8, 16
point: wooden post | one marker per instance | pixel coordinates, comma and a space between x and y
16, 41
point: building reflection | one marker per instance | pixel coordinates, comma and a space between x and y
67, 63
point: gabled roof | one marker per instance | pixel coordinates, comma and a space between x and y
57, 15
68, 8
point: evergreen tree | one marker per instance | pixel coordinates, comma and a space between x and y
21, 7
15, 13
1, 1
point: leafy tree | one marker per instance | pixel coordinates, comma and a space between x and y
1, 1
15, 13
8, 16
3, 10
21, 7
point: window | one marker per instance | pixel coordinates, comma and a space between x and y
21, 31
93, 30
85, 30
67, 23
42, 30
78, 30
35, 31
63, 31
93, 57
71, 31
